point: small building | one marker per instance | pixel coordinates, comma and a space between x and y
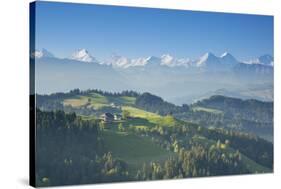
112, 105
117, 117
107, 117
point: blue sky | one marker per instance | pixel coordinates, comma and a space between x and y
139, 32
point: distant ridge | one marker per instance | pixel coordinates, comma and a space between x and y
209, 59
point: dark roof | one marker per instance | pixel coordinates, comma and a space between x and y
107, 114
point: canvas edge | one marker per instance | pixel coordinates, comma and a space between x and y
32, 159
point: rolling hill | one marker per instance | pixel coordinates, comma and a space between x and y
148, 135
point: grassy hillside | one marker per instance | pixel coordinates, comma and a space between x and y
98, 101
209, 110
154, 118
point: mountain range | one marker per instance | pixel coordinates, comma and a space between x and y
177, 80
226, 60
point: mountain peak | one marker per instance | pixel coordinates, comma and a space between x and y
225, 54
167, 59
228, 58
206, 58
153, 60
82, 55
43, 53
83, 51
119, 61
208, 54
223, 62
266, 59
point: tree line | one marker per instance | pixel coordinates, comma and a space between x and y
69, 150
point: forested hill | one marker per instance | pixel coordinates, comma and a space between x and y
153, 103
55, 101
70, 151
246, 109
251, 116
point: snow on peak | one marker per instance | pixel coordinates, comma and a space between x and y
225, 54
164, 60
153, 60
124, 62
264, 60
139, 61
207, 58
43, 53
168, 60
227, 58
209, 54
120, 61
83, 55
224, 61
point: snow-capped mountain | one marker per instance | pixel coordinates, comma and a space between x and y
117, 61
264, 60
43, 53
124, 62
171, 61
209, 62
208, 59
227, 58
153, 61
165, 74
83, 55
164, 60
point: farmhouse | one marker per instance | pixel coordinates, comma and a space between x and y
113, 105
117, 117
107, 117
